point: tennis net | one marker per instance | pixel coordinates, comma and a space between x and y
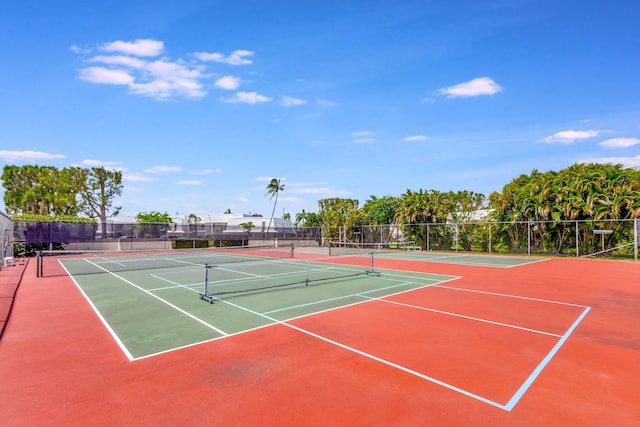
77, 262
341, 248
242, 278
345, 248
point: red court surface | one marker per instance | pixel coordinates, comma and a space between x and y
552, 343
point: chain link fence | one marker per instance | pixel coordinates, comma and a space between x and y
605, 238
6, 237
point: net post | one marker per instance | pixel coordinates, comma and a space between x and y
206, 295
292, 249
306, 279
373, 267
38, 264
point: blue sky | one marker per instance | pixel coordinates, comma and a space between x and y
200, 103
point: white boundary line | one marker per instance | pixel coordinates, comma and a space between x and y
175, 307
507, 407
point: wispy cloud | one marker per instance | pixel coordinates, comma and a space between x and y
361, 133
362, 137
619, 142
475, 87
415, 138
100, 163
290, 101
571, 136
630, 162
269, 178
187, 182
136, 177
321, 191
163, 169
28, 156
326, 103
237, 57
206, 172
247, 98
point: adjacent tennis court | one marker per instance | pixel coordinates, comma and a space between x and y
309, 337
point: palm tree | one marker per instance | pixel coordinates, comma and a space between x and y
300, 219
274, 188
193, 219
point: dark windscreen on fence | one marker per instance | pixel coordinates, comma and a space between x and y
39, 232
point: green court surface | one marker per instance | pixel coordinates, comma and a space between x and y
442, 257
150, 311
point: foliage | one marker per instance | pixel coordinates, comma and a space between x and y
101, 186
580, 192
154, 217
42, 190
193, 221
380, 210
274, 188
247, 226
47, 218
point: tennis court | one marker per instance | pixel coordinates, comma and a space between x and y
273, 337
157, 302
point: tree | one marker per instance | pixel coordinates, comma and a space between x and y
335, 212
101, 186
247, 226
193, 220
42, 190
301, 217
152, 218
273, 189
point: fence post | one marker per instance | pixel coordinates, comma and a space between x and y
636, 225
577, 238
529, 237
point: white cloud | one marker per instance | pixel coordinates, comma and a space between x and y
306, 184
237, 57
135, 177
242, 198
322, 191
206, 172
363, 140
326, 103
475, 87
269, 178
247, 98
163, 169
619, 142
570, 136
127, 63
415, 138
290, 101
105, 76
28, 156
192, 182
167, 79
228, 82
629, 162
101, 164
139, 47
361, 133
427, 100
